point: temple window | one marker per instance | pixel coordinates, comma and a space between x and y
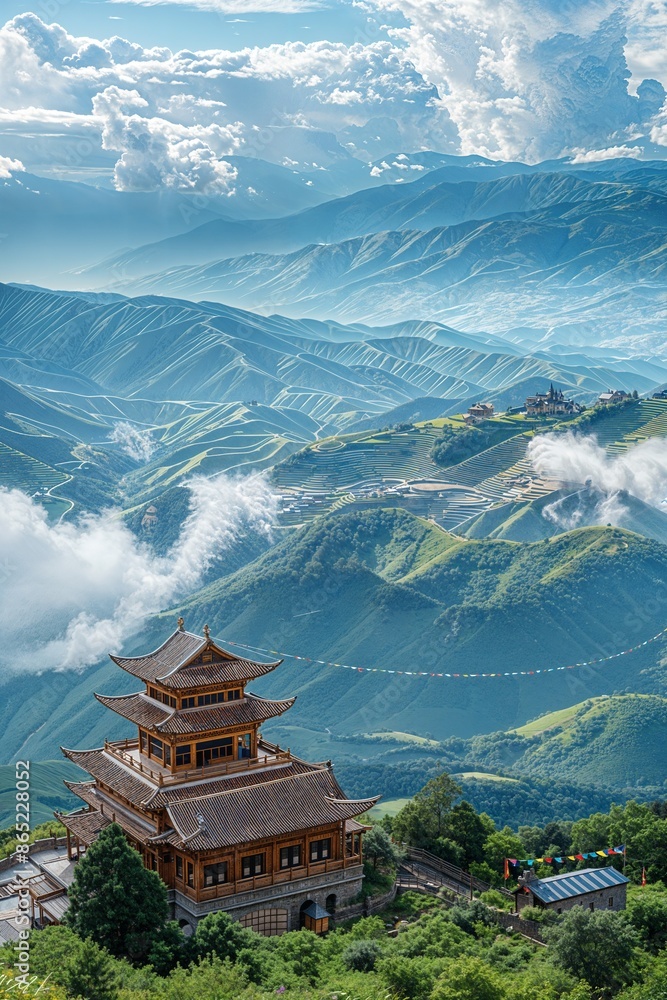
188, 702
191, 874
254, 864
211, 699
212, 750
290, 857
156, 747
179, 867
215, 874
320, 850
183, 755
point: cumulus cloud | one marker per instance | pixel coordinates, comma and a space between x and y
527, 78
322, 87
80, 590
158, 153
641, 470
9, 167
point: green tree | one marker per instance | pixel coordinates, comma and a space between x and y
500, 845
379, 848
598, 947
438, 796
302, 952
115, 900
470, 830
91, 973
423, 821
409, 978
647, 912
218, 936
469, 978
82, 967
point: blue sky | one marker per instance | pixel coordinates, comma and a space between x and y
184, 26
183, 86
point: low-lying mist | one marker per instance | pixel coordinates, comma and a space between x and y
74, 591
641, 470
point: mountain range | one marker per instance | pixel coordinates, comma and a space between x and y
214, 388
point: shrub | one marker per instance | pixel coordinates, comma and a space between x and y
361, 956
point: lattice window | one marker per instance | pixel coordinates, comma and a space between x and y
270, 922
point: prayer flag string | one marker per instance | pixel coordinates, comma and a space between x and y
597, 661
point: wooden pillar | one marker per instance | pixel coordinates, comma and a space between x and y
69, 845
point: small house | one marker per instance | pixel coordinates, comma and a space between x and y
611, 397
593, 888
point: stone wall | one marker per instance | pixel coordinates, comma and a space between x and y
344, 884
49, 843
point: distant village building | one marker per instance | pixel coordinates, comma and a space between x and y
149, 520
612, 396
552, 403
661, 394
479, 412
229, 821
592, 888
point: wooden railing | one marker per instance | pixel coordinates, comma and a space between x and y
442, 873
123, 749
313, 869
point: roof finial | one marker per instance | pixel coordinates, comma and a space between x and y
181, 624
207, 632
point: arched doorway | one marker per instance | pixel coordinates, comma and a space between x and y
330, 904
186, 928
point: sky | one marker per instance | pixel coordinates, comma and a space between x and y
148, 96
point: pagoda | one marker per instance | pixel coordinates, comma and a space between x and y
229, 821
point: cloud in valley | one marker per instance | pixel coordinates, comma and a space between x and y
136, 443
80, 590
641, 470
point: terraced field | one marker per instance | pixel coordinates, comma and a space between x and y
22, 472
394, 468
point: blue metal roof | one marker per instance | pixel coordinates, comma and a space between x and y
570, 884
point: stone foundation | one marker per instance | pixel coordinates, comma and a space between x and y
285, 896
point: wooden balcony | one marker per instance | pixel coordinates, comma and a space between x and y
127, 751
205, 893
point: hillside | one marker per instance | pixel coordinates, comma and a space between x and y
444, 197
550, 515
99, 389
386, 589
573, 263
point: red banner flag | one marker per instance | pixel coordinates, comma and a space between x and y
643, 876
507, 869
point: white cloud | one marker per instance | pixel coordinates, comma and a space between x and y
157, 153
135, 442
526, 79
80, 590
610, 153
9, 167
641, 470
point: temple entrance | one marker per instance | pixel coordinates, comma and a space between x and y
331, 904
